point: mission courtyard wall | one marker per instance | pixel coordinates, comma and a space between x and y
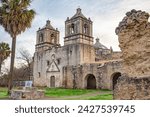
75, 76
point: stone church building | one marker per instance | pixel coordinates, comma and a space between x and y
79, 63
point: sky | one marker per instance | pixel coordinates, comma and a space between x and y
105, 14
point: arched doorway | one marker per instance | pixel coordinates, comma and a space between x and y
115, 77
91, 81
52, 81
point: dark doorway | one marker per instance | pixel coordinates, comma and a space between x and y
91, 82
52, 81
115, 77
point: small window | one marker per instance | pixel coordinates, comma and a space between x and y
70, 52
41, 38
48, 63
52, 38
58, 61
39, 74
52, 35
85, 28
72, 28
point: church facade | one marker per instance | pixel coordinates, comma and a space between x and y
79, 63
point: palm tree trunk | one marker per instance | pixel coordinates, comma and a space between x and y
0, 63
29, 70
13, 48
0, 67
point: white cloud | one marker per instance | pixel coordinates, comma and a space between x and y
106, 15
105, 23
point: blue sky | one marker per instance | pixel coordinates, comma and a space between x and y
105, 14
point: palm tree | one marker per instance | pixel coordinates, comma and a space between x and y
15, 18
4, 52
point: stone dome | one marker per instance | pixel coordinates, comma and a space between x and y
78, 14
48, 25
98, 45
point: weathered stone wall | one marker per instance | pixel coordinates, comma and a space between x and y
51, 55
116, 55
112, 68
132, 88
29, 93
76, 76
134, 40
111, 56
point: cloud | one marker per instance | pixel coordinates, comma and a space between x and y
105, 14
105, 21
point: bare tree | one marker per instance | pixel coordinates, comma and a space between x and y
27, 58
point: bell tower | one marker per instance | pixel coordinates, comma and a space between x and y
78, 29
79, 39
47, 37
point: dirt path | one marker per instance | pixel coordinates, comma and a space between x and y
77, 97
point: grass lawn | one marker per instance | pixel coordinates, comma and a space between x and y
3, 93
69, 94
102, 97
83, 94
66, 92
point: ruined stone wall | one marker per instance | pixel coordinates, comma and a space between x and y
76, 76
134, 38
110, 56
116, 55
131, 88
134, 41
112, 68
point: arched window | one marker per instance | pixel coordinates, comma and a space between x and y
48, 63
85, 28
41, 38
52, 38
72, 28
52, 35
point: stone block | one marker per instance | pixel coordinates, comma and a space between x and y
27, 94
132, 88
